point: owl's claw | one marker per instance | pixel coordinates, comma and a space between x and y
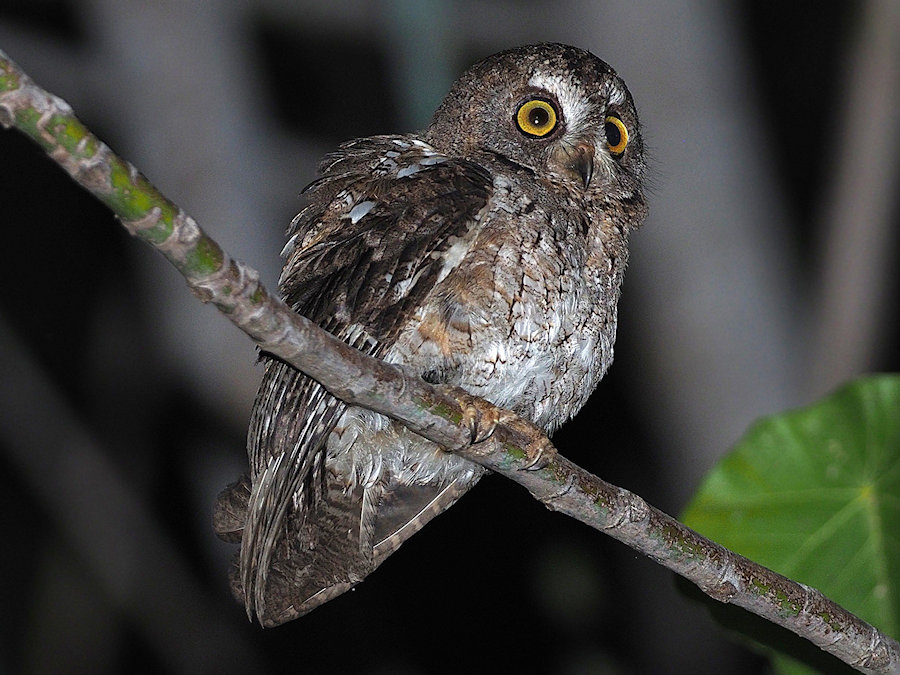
540, 452
479, 416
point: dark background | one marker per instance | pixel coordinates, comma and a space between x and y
764, 277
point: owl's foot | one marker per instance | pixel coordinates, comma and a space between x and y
479, 416
539, 452
482, 419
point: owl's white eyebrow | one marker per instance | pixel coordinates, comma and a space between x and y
616, 96
573, 103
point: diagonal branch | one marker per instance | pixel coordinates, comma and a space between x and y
433, 412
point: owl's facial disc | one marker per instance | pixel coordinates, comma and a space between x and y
557, 111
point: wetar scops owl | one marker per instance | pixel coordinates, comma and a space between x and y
485, 252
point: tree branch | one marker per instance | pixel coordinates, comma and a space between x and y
433, 412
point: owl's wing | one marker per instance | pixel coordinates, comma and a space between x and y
362, 256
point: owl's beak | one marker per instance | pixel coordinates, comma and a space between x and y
578, 159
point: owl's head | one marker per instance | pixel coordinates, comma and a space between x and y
556, 110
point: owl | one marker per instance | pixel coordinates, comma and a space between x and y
485, 252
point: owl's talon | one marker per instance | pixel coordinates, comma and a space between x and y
479, 416
540, 453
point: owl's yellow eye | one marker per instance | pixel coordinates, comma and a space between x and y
616, 135
536, 117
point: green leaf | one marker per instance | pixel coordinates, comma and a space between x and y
815, 495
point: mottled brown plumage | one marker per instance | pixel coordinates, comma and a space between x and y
486, 252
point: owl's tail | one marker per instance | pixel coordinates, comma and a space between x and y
332, 548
